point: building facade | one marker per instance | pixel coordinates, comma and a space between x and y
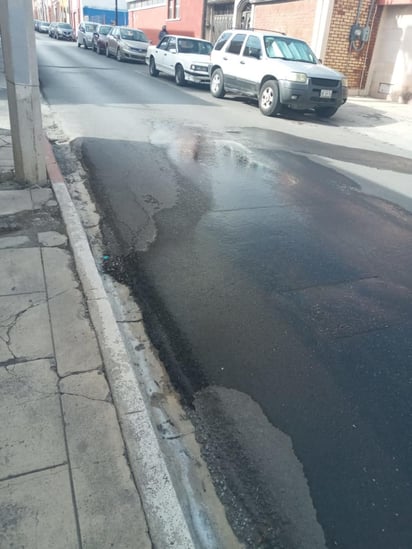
98, 11
180, 17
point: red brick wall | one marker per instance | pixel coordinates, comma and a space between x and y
353, 64
294, 18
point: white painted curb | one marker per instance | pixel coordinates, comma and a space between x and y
166, 521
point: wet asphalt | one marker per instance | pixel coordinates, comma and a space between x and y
268, 273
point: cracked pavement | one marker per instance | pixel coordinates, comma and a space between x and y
63, 462
62, 454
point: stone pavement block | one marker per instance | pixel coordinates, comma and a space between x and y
21, 271
75, 342
108, 503
24, 327
36, 512
52, 238
12, 202
13, 241
41, 197
31, 428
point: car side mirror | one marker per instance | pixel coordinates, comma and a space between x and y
172, 50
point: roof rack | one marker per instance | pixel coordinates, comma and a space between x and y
268, 30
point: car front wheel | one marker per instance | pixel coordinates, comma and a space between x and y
107, 51
119, 55
269, 103
325, 112
180, 76
152, 67
217, 87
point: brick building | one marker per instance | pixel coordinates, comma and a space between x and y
370, 41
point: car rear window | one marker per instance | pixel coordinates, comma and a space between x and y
131, 34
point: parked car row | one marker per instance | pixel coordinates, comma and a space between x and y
123, 43
279, 71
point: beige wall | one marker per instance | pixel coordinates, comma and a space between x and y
392, 57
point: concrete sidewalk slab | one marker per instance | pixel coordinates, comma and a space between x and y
101, 475
36, 511
15, 201
75, 343
21, 271
24, 327
31, 430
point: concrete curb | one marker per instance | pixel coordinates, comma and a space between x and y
166, 522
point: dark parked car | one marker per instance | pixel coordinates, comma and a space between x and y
100, 38
63, 31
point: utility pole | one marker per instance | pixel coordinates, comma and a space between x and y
20, 62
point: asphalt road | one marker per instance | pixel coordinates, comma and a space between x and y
278, 293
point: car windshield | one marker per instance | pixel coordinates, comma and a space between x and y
89, 27
194, 46
279, 47
45, 24
131, 34
105, 29
64, 26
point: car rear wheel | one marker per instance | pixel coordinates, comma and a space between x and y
325, 112
269, 103
119, 55
217, 86
152, 67
78, 44
180, 76
85, 45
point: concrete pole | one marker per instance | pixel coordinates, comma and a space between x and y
20, 62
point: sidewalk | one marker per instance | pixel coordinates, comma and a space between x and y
65, 481
386, 122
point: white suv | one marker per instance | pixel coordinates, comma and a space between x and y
278, 70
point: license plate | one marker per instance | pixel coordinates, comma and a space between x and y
326, 94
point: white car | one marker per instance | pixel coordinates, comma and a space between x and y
280, 71
85, 34
185, 58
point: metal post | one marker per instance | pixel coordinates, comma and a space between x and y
20, 62
116, 12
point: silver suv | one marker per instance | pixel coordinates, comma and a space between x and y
278, 70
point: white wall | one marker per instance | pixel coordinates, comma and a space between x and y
392, 57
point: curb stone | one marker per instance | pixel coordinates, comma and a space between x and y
167, 524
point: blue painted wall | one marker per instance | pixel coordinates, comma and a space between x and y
105, 16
